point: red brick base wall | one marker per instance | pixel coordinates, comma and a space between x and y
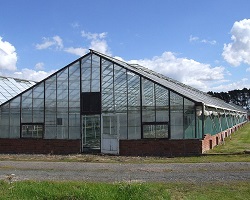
210, 141
39, 146
154, 147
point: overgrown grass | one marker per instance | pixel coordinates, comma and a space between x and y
238, 142
123, 191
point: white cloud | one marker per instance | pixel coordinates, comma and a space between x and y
55, 41
76, 51
193, 38
39, 66
199, 75
100, 45
97, 41
94, 36
212, 42
197, 39
29, 74
248, 69
232, 86
238, 51
8, 56
75, 25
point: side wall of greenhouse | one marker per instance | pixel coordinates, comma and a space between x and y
96, 103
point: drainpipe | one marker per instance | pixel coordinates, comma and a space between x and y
203, 123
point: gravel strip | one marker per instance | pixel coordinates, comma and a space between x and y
108, 172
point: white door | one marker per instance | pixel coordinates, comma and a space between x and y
110, 134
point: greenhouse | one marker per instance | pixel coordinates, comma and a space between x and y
101, 104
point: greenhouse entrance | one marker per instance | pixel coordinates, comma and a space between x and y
104, 139
110, 133
91, 133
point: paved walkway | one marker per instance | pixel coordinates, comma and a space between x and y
107, 172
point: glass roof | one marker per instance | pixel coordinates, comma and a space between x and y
185, 90
10, 87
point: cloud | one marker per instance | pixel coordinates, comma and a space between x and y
197, 39
97, 41
29, 74
248, 69
238, 51
232, 86
75, 25
212, 42
76, 51
94, 36
8, 56
39, 66
193, 38
55, 41
199, 75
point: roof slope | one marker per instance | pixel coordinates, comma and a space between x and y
185, 90
10, 87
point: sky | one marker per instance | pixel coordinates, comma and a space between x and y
201, 43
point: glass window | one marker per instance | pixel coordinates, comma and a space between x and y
120, 90
176, 108
50, 108
32, 130
162, 104
5, 121
134, 114
155, 130
107, 86
27, 106
62, 104
38, 103
189, 119
86, 74
148, 101
74, 101
15, 118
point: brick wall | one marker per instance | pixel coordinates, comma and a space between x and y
156, 147
210, 141
39, 146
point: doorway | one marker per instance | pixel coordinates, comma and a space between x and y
110, 133
91, 133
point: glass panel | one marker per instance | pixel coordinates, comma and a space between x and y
32, 130
149, 131
148, 101
15, 118
27, 106
62, 104
134, 124
176, 108
162, 104
38, 103
109, 126
95, 75
161, 131
189, 119
86, 74
107, 87
50, 108
4, 121
74, 102
134, 115
91, 131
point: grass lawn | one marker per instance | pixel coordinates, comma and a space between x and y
238, 142
123, 191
